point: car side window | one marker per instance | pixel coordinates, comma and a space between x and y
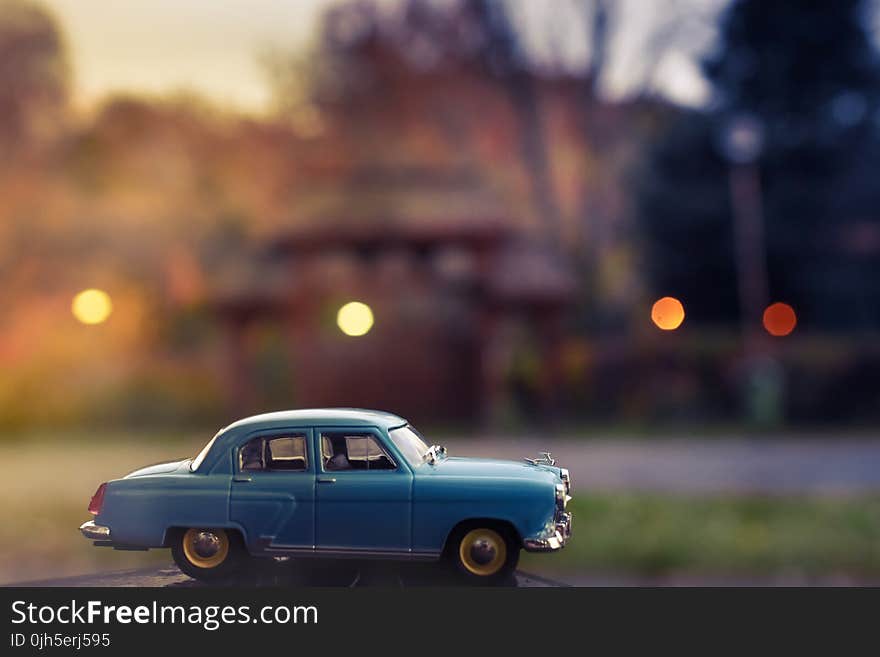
353, 451
274, 454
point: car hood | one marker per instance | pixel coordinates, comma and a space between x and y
458, 466
160, 468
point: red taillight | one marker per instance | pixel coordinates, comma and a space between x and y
97, 500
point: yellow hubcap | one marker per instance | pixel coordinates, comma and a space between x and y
482, 551
205, 548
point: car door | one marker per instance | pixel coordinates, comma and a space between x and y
362, 493
273, 489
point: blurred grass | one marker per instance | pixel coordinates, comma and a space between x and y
654, 534
46, 487
48, 483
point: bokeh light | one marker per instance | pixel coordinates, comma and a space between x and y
92, 306
779, 319
355, 318
667, 313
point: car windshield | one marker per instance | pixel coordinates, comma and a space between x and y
197, 461
410, 444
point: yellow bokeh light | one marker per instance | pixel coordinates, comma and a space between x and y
355, 318
92, 306
667, 313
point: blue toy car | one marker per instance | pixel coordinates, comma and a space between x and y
334, 483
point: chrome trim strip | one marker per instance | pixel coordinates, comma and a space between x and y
353, 553
95, 532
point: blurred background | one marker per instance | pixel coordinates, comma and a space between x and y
645, 236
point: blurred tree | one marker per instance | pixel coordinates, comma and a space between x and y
505, 57
392, 57
442, 84
806, 78
33, 73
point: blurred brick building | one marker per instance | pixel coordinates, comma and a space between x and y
413, 189
446, 293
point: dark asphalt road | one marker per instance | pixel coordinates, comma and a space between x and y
337, 574
772, 466
402, 575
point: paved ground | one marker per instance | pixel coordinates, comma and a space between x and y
336, 575
402, 576
845, 465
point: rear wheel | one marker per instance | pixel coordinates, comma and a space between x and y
484, 553
208, 554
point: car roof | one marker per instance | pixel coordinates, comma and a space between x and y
346, 417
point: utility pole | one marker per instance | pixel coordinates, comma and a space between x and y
742, 142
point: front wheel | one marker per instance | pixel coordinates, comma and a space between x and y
208, 554
484, 553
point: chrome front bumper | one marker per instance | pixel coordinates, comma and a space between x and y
558, 531
95, 532
553, 541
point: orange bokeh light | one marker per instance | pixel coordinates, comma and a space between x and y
667, 313
779, 319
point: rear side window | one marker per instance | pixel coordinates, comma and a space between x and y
274, 453
353, 451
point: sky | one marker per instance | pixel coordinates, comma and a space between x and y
163, 46
212, 47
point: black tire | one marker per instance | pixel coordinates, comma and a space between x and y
494, 563
208, 554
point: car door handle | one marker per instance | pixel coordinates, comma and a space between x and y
326, 480
242, 478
